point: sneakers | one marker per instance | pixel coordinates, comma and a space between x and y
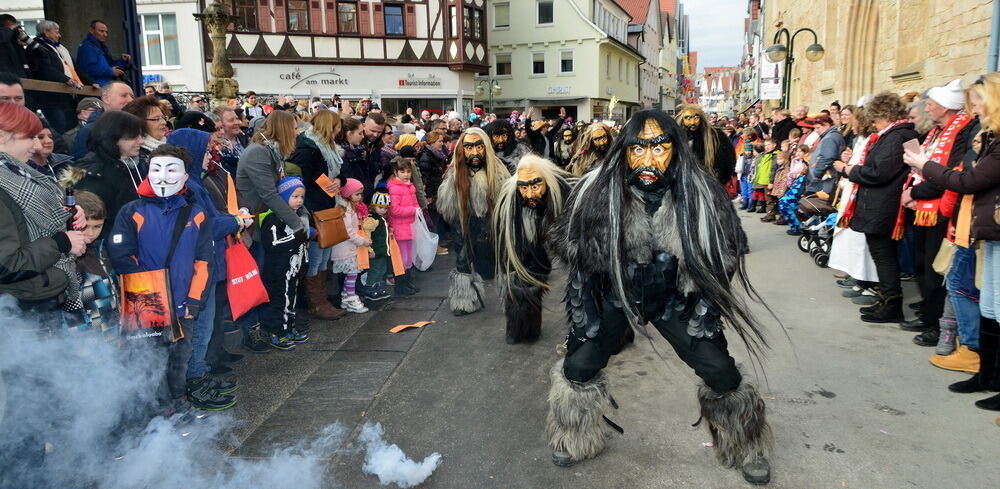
281, 342
354, 304
203, 396
847, 283
865, 299
853, 292
298, 336
767, 218
375, 292
442, 251
256, 340
906, 277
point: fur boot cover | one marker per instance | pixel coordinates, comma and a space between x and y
522, 304
738, 425
575, 423
465, 292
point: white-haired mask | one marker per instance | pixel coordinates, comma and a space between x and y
166, 175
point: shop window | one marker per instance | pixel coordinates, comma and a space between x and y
298, 15
537, 63
394, 20
159, 41
246, 15
566, 62
544, 11
501, 15
503, 64
347, 17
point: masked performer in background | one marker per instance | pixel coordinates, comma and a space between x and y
563, 147
591, 148
525, 211
710, 145
465, 200
650, 238
505, 145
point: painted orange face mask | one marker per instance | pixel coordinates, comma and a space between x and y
650, 158
532, 187
475, 151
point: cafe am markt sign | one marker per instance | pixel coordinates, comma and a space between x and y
328, 78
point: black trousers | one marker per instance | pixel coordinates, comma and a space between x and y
709, 358
927, 241
883, 251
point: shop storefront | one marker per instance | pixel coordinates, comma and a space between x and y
393, 87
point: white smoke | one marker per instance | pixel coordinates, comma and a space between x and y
390, 464
77, 412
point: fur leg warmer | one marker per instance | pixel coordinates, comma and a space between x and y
575, 423
738, 424
523, 308
465, 292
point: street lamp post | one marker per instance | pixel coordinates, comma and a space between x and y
492, 88
778, 52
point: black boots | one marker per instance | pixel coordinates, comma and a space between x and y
404, 284
989, 362
886, 310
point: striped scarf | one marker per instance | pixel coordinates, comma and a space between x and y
937, 146
40, 201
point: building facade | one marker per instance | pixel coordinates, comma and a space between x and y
645, 35
719, 87
875, 45
562, 53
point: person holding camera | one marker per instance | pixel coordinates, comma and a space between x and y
13, 39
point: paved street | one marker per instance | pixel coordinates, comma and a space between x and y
852, 405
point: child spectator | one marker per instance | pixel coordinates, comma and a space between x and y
402, 213
345, 254
756, 193
378, 254
283, 259
779, 182
789, 204
762, 181
142, 239
744, 167
98, 282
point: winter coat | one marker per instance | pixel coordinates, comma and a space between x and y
111, 180
380, 237
57, 164
79, 147
141, 239
222, 223
46, 64
310, 160
830, 147
27, 268
780, 130
257, 175
12, 56
432, 170
346, 250
94, 59
880, 182
359, 165
983, 180
403, 208
764, 166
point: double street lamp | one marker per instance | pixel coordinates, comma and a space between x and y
785, 52
491, 88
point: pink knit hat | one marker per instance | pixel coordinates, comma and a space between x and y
349, 188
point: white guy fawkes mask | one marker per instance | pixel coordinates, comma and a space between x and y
166, 175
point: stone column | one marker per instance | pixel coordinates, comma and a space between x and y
216, 18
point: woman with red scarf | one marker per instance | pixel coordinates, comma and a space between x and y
874, 204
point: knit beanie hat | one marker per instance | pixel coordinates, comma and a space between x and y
348, 189
406, 140
381, 196
288, 185
949, 96
195, 120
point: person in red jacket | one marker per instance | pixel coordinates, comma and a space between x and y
403, 209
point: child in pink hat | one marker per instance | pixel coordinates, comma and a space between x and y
344, 255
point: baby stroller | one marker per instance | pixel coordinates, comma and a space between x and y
817, 236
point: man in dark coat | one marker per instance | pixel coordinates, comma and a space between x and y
782, 124
12, 42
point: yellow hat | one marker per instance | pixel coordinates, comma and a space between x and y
406, 140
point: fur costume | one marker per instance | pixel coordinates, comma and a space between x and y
563, 147
465, 200
710, 144
587, 152
505, 145
651, 238
526, 208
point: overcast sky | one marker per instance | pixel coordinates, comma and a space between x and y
716, 30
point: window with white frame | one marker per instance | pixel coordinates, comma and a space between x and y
565, 61
501, 15
544, 11
160, 47
537, 63
503, 65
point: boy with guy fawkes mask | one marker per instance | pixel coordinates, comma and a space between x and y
143, 239
650, 238
465, 201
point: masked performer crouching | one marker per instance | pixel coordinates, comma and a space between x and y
591, 148
525, 211
649, 237
465, 200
